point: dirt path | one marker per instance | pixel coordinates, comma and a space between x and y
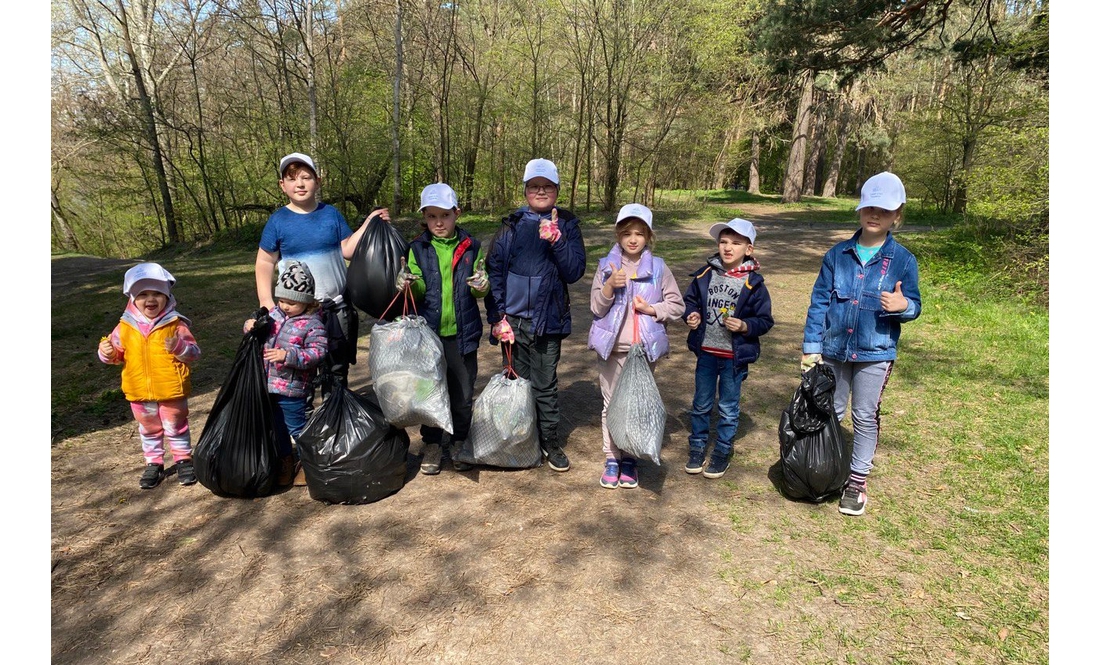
480, 567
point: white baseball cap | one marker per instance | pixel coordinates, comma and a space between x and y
737, 225
882, 190
439, 195
541, 168
292, 158
147, 277
635, 210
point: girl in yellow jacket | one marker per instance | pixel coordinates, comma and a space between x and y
154, 345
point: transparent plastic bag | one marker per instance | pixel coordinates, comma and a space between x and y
410, 374
636, 413
503, 431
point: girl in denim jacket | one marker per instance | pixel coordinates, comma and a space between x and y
866, 289
295, 347
628, 280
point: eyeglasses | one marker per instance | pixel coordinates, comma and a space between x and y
542, 189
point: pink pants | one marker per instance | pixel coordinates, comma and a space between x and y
610, 370
158, 421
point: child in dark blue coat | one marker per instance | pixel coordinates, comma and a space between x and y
727, 308
533, 258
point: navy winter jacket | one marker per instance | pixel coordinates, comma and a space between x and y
754, 307
535, 272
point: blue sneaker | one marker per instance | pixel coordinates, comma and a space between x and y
610, 477
695, 461
718, 465
628, 473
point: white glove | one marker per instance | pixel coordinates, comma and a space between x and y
809, 360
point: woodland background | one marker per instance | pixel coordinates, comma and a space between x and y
168, 117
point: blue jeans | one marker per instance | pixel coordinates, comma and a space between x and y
712, 372
289, 414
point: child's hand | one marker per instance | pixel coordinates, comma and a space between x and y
275, 355
640, 305
617, 278
693, 320
502, 330
893, 301
106, 349
736, 325
384, 213
248, 324
548, 228
404, 276
809, 360
170, 344
478, 281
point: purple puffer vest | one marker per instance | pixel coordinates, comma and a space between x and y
645, 283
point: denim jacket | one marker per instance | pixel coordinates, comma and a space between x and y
845, 320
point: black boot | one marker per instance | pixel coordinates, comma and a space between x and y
151, 477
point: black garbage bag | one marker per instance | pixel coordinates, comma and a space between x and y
350, 453
373, 270
237, 454
813, 454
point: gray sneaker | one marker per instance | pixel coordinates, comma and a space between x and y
433, 455
853, 501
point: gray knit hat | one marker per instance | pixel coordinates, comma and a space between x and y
295, 283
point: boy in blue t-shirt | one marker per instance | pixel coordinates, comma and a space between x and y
315, 233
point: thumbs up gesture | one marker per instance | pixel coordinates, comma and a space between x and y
617, 279
894, 301
548, 228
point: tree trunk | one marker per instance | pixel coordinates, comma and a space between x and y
969, 145
150, 125
796, 161
828, 190
754, 165
398, 64
813, 164
64, 229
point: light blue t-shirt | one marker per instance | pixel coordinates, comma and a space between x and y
313, 238
865, 253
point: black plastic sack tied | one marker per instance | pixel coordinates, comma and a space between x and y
350, 454
236, 454
814, 457
372, 273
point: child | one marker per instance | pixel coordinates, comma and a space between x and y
154, 345
727, 308
629, 279
866, 289
295, 347
445, 271
533, 258
309, 230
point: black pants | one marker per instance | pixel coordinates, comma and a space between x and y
342, 330
535, 358
461, 374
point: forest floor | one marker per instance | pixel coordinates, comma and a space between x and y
487, 566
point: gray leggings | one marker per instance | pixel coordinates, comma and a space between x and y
864, 383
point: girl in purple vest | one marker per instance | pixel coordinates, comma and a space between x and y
628, 280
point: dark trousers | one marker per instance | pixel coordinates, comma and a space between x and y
461, 374
342, 330
535, 358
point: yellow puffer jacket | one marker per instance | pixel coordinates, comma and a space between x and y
151, 373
